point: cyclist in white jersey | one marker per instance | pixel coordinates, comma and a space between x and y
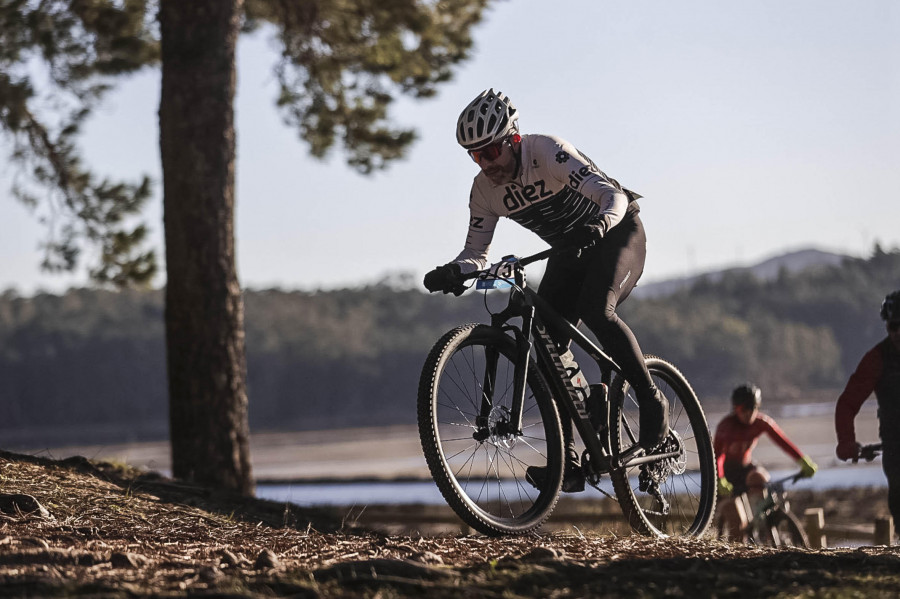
545, 184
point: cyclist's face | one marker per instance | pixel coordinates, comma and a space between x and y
746, 415
498, 162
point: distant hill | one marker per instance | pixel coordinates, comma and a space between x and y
766, 270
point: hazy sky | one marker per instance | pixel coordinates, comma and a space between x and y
750, 127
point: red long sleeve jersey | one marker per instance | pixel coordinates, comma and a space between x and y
735, 440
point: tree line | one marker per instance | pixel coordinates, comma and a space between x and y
91, 362
795, 335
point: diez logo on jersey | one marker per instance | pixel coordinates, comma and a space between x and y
576, 177
515, 198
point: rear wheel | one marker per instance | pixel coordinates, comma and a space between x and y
673, 495
474, 453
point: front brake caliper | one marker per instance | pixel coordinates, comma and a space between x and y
482, 430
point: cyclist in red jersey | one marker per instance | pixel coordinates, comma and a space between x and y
736, 436
879, 373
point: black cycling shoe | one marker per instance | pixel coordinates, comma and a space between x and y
654, 420
573, 477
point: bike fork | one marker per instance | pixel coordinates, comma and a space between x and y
520, 378
488, 384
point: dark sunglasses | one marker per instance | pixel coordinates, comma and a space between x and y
489, 153
893, 326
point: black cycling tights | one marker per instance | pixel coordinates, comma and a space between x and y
591, 287
890, 462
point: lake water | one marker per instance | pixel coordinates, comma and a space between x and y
426, 492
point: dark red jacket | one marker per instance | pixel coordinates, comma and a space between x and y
878, 372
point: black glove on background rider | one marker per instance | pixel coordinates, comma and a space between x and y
446, 278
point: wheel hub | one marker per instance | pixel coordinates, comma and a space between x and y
497, 429
674, 444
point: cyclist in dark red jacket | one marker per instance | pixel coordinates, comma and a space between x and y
878, 372
736, 436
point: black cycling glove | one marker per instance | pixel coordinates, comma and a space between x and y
446, 278
586, 236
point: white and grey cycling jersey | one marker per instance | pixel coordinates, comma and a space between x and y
558, 189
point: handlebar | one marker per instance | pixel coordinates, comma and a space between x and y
791, 478
868, 452
542, 255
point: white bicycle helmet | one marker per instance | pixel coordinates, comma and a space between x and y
487, 119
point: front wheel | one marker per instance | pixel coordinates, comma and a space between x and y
781, 529
482, 463
676, 494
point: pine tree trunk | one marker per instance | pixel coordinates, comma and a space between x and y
204, 308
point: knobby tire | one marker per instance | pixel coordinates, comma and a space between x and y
481, 471
686, 483
783, 529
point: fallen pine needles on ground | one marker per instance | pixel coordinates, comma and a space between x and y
75, 527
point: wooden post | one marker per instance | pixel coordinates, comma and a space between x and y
815, 525
884, 530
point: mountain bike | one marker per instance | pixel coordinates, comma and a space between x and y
773, 523
490, 402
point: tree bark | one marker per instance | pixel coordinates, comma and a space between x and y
204, 309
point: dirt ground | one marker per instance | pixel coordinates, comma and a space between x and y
105, 530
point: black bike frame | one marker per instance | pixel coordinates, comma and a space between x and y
536, 315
